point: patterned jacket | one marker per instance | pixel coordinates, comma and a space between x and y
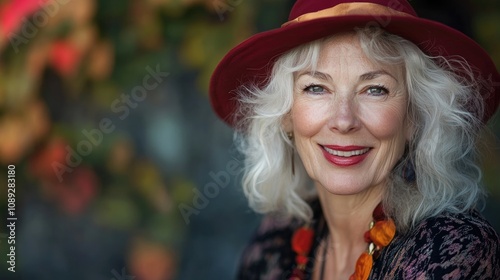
449, 246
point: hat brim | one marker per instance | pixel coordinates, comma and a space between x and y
251, 61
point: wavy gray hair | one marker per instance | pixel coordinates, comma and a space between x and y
445, 110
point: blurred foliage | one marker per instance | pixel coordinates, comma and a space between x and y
63, 64
85, 53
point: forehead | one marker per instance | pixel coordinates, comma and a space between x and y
345, 51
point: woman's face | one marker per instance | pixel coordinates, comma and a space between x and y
349, 118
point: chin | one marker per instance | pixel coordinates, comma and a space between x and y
347, 189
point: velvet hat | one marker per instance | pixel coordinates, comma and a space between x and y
251, 61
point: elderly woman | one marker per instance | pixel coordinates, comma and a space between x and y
358, 123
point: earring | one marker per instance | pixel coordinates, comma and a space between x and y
292, 160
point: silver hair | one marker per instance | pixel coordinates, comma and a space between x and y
444, 109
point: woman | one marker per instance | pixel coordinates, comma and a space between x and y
358, 123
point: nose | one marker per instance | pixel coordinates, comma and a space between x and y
344, 118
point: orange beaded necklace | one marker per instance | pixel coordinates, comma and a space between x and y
381, 232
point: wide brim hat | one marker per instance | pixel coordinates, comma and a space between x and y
251, 61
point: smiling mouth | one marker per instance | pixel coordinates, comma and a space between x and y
346, 154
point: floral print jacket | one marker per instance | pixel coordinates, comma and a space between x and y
449, 246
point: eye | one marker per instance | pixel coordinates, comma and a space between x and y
314, 89
377, 90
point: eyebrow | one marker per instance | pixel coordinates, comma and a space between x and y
374, 74
317, 75
364, 77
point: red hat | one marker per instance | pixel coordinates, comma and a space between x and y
252, 60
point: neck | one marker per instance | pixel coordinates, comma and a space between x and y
348, 218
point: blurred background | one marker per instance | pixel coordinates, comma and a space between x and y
122, 170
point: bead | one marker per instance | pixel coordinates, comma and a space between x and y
301, 259
302, 240
383, 232
363, 267
297, 274
372, 224
378, 213
371, 248
367, 237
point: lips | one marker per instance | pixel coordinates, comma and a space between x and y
345, 155
350, 153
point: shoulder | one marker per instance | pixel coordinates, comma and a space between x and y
448, 246
455, 229
269, 254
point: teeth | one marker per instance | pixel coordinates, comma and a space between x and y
346, 153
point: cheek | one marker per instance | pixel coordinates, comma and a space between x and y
307, 122
388, 122
307, 118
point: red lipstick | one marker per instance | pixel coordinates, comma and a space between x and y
343, 160
345, 148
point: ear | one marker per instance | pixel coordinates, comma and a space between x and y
287, 123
